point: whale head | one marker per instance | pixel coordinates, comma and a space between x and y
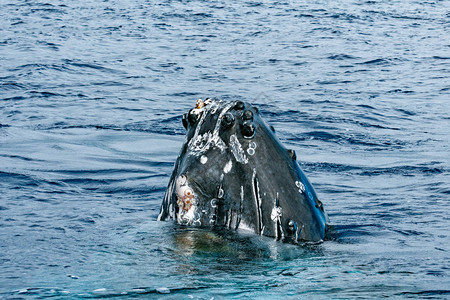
233, 172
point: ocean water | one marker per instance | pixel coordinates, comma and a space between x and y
91, 97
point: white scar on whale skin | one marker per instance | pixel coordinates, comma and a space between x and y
205, 110
199, 144
228, 167
258, 201
203, 142
251, 148
301, 186
276, 214
203, 159
237, 150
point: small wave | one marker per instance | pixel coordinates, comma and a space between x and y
377, 61
254, 4
326, 82
426, 293
342, 57
33, 66
18, 156
405, 170
406, 112
334, 167
41, 292
402, 170
393, 14
350, 233
441, 57
48, 10
51, 45
129, 109
114, 171
408, 232
185, 95
345, 16
15, 98
304, 15
45, 94
323, 135
6, 86
362, 140
167, 127
83, 65
17, 178
139, 291
400, 91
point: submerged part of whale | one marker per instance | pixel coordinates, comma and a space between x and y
234, 172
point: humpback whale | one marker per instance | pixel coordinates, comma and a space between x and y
234, 172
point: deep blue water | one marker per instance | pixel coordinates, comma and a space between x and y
91, 94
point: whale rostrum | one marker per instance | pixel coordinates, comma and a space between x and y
233, 171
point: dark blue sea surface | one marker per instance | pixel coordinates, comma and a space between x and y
91, 94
